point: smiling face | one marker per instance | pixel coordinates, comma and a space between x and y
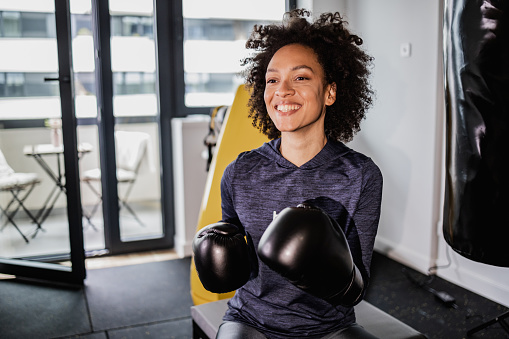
295, 93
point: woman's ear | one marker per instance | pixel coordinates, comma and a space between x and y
331, 94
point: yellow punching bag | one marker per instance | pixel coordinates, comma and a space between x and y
237, 135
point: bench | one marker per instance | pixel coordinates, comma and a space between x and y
207, 318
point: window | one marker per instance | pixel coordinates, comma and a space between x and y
11, 24
27, 24
214, 44
123, 25
133, 83
15, 84
81, 24
215, 33
38, 25
133, 58
2, 84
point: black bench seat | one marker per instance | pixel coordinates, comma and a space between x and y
207, 318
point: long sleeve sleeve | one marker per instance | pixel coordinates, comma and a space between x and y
227, 205
366, 217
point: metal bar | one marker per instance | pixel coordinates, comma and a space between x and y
106, 122
11, 220
72, 182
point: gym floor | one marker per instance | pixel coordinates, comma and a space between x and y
147, 296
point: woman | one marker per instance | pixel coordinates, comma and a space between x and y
309, 93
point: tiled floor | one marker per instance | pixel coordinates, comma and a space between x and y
124, 300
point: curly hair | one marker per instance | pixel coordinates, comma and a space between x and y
343, 61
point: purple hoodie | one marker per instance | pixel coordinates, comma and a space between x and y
261, 183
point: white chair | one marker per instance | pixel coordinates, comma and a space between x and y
19, 185
131, 148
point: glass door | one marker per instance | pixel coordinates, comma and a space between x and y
40, 218
135, 107
128, 188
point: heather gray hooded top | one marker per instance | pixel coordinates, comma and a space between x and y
258, 184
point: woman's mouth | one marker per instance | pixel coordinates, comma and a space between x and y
287, 108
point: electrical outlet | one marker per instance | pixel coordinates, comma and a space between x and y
405, 49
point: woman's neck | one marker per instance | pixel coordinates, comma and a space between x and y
300, 150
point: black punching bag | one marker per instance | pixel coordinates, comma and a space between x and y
476, 65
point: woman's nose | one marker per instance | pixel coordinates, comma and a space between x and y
284, 89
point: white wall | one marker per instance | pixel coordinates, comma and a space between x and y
190, 176
404, 134
400, 132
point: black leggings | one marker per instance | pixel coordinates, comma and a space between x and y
235, 330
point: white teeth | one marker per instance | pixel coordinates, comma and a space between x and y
286, 108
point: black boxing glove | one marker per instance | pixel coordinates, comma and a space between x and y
224, 260
306, 246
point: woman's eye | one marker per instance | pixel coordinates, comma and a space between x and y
301, 78
271, 81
